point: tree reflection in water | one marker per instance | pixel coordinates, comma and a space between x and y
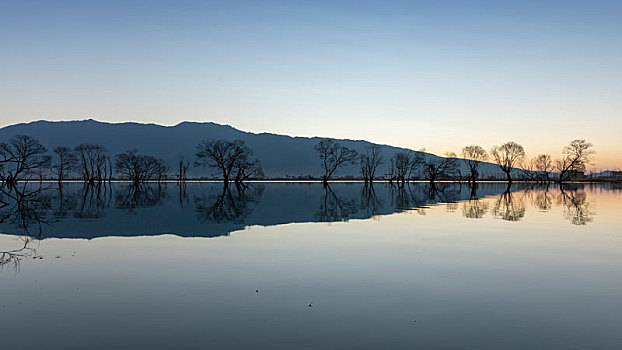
230, 206
333, 208
25, 207
475, 208
509, 207
141, 195
96, 198
541, 199
577, 208
370, 203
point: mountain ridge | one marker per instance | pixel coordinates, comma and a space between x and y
280, 155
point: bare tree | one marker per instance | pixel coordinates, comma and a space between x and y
436, 168
220, 154
333, 156
474, 155
93, 162
247, 167
543, 165
21, 158
182, 168
576, 157
370, 162
507, 156
139, 167
66, 162
404, 164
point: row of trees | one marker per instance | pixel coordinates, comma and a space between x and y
23, 157
510, 156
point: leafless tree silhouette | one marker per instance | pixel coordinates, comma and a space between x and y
221, 154
139, 167
437, 168
94, 163
576, 157
246, 167
65, 163
507, 156
21, 158
474, 155
182, 168
333, 156
543, 165
404, 164
370, 162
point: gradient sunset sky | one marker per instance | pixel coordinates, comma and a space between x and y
433, 74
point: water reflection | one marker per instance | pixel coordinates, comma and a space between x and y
577, 208
509, 207
132, 196
334, 207
228, 207
209, 209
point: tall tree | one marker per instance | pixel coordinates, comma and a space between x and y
436, 168
182, 168
404, 164
543, 165
220, 154
93, 162
576, 157
247, 167
474, 155
333, 156
507, 156
370, 162
65, 163
139, 167
20, 158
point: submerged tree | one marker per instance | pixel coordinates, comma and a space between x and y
247, 167
543, 165
139, 167
65, 163
576, 157
94, 163
474, 155
404, 165
370, 162
219, 154
21, 158
334, 156
438, 167
182, 168
507, 156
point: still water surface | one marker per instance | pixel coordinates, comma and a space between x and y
299, 266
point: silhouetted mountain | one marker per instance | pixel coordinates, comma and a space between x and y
280, 155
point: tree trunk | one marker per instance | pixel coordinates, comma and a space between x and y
507, 173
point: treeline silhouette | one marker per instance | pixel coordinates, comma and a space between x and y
23, 158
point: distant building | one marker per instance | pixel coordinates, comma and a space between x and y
616, 174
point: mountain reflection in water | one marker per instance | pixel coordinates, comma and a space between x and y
210, 209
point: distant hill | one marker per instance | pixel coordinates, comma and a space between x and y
280, 155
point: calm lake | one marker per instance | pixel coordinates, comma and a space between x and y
300, 266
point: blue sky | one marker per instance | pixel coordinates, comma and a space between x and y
437, 74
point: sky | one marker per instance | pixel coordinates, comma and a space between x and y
432, 74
